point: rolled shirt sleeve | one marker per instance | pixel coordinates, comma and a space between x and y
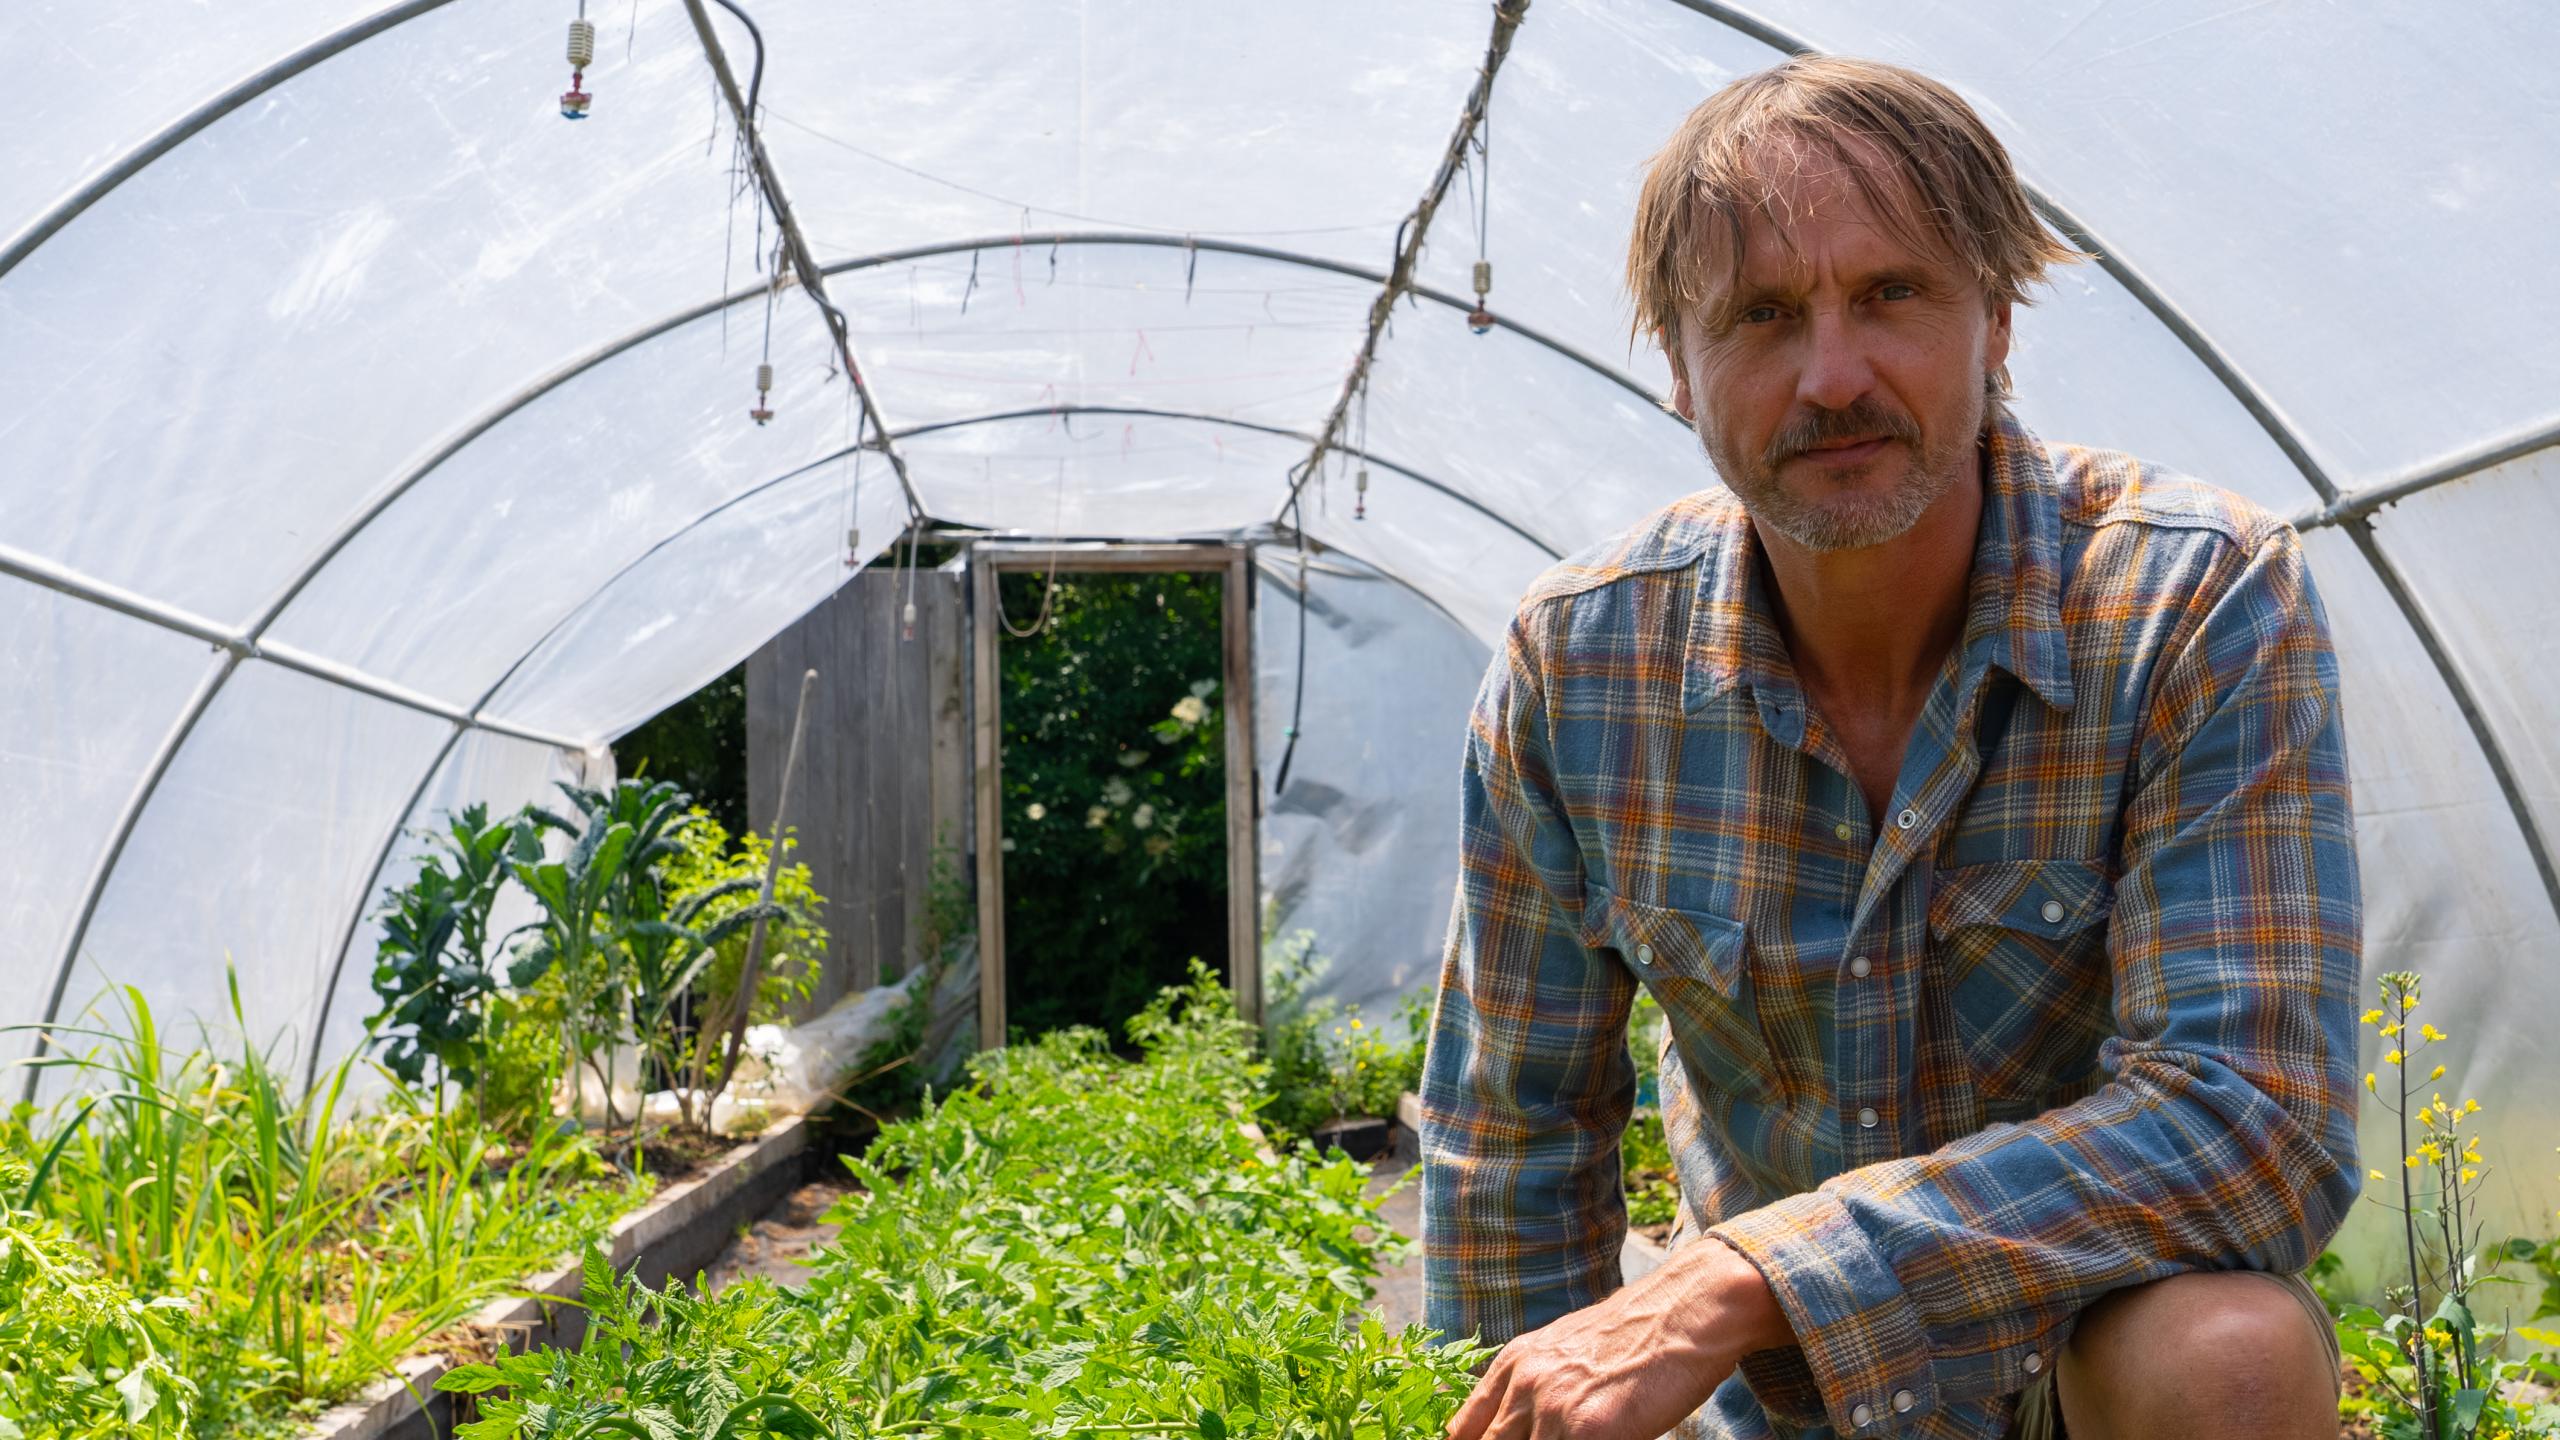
1527, 1084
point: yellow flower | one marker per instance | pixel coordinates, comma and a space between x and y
2438, 1075
2469, 1175
2468, 1106
2372, 1017
2408, 1003
2390, 1030
1355, 1022
2430, 1032
2368, 1080
2376, 1174
2411, 1162
2391, 1059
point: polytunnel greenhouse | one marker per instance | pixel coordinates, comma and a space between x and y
392, 420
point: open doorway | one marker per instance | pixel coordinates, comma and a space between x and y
1114, 777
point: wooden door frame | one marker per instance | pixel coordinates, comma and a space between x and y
989, 558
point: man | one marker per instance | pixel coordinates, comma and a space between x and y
1976, 811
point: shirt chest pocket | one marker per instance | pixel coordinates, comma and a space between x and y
2020, 947
1697, 966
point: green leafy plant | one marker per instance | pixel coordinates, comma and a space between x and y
315, 1245
1327, 1061
1644, 1165
1072, 1245
435, 967
712, 863
2443, 1374
80, 1357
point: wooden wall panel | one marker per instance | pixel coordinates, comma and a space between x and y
864, 808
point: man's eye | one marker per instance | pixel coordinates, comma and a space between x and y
1759, 315
1896, 291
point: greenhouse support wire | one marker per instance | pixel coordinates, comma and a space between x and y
804, 265
1507, 15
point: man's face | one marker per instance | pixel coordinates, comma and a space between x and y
1839, 388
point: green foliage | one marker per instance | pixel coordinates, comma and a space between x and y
1327, 1061
625, 952
1114, 793
435, 968
1073, 1245
2445, 1373
698, 744
80, 1357
314, 1246
1644, 1167
795, 940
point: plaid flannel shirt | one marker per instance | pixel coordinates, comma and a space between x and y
2076, 1012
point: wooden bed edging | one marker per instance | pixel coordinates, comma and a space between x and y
680, 1231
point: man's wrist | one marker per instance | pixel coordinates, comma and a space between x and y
1733, 1307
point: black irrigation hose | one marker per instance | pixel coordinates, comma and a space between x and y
1298, 701
755, 82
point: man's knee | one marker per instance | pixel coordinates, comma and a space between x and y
2200, 1354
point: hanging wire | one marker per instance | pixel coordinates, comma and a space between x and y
1298, 700
1049, 591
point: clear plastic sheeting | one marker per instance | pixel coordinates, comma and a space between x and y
472, 566
1013, 328
253, 851
85, 698
330, 347
1360, 850
702, 601
105, 89
273, 322
1308, 126
1090, 475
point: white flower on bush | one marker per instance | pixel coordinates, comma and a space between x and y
1117, 792
1096, 816
1132, 759
1143, 816
1036, 811
1190, 709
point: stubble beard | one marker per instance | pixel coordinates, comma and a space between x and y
1825, 517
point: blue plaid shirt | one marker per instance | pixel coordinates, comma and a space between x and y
2074, 1013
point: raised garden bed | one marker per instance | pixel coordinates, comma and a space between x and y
677, 1233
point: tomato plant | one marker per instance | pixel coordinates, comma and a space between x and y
1071, 1245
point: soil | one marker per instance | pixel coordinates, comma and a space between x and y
778, 1246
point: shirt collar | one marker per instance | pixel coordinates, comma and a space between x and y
2013, 607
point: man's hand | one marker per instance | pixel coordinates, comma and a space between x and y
1637, 1363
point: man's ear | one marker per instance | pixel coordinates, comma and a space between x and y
1995, 346
1682, 403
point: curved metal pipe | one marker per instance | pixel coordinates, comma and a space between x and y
177, 132
1442, 488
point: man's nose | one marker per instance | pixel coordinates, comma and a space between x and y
1836, 371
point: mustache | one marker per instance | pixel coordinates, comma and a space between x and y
1864, 420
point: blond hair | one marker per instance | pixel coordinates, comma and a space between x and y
1963, 198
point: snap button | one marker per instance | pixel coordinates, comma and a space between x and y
1867, 1116
1860, 966
2052, 912
1644, 954
1842, 830
1903, 1400
1861, 1415
1907, 818
2034, 1362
